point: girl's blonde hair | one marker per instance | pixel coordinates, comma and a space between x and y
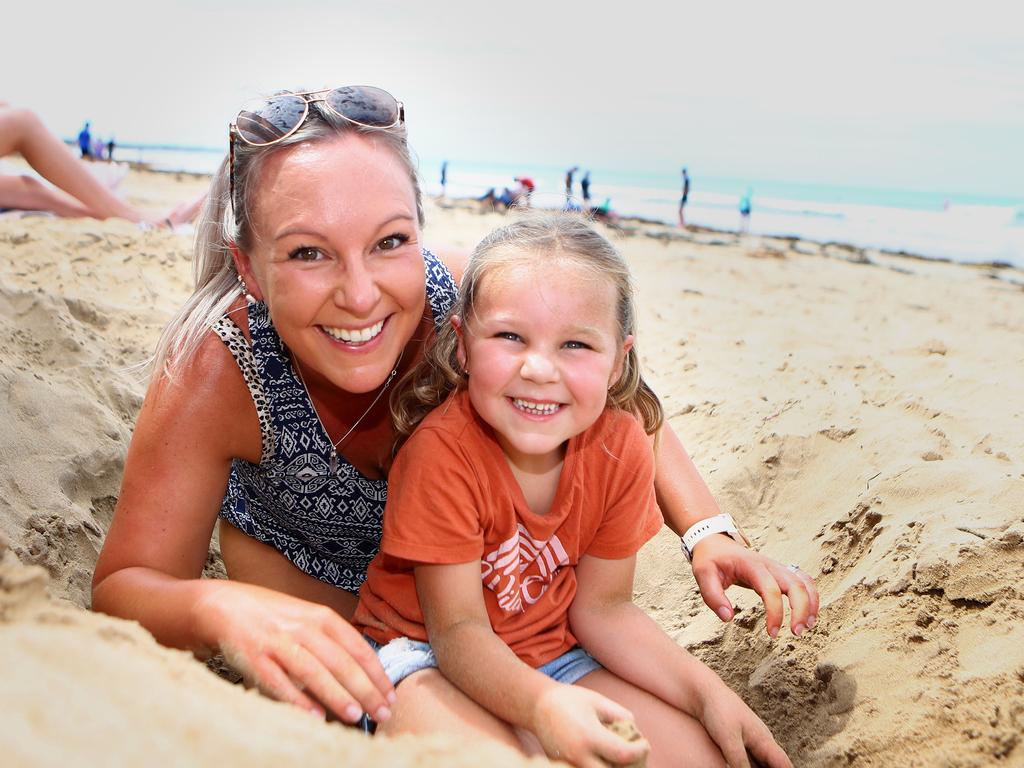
532, 239
221, 224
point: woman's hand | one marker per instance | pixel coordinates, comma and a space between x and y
295, 651
569, 722
719, 562
738, 732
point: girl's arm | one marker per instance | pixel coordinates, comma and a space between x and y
631, 645
718, 561
152, 559
567, 720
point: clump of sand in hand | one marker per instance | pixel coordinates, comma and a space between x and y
627, 730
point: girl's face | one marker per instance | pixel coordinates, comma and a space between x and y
337, 258
542, 348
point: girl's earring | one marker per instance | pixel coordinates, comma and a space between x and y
249, 298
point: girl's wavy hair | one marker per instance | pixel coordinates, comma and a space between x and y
531, 240
221, 223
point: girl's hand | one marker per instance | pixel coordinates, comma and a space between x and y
295, 651
719, 562
738, 732
570, 722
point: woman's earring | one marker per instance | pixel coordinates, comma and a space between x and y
249, 298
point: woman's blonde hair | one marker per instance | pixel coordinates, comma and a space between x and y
224, 222
532, 239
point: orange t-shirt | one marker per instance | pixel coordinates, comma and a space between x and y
452, 498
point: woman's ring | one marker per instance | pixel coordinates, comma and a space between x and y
793, 567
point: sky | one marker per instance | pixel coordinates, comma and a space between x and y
904, 95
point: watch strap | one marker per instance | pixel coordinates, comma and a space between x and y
722, 523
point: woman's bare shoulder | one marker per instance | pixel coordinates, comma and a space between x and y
205, 395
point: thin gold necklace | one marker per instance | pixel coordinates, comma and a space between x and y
343, 438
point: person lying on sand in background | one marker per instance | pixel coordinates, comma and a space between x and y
516, 508
268, 410
79, 193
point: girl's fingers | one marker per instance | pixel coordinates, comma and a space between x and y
766, 751
618, 751
272, 681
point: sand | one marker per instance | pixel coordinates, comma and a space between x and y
861, 414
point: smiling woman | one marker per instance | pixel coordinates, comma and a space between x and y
267, 412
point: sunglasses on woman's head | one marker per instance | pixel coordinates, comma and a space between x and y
263, 122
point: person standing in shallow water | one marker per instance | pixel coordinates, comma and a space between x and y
85, 142
746, 205
683, 199
267, 412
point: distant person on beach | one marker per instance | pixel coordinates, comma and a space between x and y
604, 212
746, 204
268, 411
78, 192
500, 579
85, 142
97, 148
684, 198
514, 197
568, 182
444, 179
585, 188
110, 150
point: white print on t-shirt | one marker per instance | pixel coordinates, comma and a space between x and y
502, 569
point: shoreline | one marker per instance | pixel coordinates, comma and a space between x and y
629, 224
660, 230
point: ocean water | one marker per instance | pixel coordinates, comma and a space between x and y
930, 224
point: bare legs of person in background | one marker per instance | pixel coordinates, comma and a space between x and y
23, 132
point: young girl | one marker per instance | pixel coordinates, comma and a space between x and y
515, 512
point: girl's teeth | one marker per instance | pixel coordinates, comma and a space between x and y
355, 337
538, 409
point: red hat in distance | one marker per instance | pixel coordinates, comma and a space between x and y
526, 181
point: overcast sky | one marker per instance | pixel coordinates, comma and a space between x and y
914, 95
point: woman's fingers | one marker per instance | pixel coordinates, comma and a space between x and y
309, 672
348, 671
767, 587
713, 592
343, 634
272, 681
799, 603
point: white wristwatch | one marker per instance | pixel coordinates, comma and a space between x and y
702, 529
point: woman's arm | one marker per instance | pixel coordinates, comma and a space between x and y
567, 720
718, 561
152, 559
632, 646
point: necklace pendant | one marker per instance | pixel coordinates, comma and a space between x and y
334, 463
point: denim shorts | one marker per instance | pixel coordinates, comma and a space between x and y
402, 657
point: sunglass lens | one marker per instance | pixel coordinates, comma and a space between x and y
365, 105
268, 120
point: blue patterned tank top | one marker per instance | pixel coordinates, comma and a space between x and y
327, 523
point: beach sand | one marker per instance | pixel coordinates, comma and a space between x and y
859, 413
